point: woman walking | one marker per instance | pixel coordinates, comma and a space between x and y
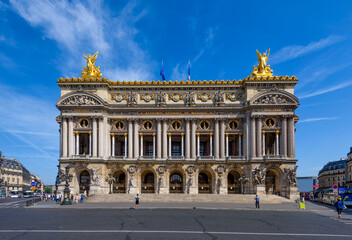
137, 201
339, 205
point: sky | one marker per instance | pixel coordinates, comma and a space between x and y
41, 41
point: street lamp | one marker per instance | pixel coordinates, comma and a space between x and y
110, 180
68, 178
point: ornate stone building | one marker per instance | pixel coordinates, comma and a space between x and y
182, 137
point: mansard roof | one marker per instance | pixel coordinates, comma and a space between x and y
335, 165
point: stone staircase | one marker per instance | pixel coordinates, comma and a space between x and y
228, 198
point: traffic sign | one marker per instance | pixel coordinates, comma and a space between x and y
32, 188
334, 186
33, 184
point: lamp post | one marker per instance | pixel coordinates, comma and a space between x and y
243, 181
68, 178
110, 181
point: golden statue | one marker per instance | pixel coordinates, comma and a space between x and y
262, 69
91, 71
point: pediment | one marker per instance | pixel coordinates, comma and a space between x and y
274, 98
79, 99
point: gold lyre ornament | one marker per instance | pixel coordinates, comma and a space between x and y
91, 71
262, 69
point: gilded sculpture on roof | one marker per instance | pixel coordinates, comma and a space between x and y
262, 69
91, 71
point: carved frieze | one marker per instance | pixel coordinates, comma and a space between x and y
204, 97
80, 100
274, 98
234, 96
176, 97
132, 99
118, 97
161, 99
219, 98
190, 99
147, 97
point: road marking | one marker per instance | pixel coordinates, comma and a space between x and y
176, 232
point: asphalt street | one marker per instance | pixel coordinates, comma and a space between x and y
129, 224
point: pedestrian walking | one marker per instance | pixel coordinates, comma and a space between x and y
339, 205
137, 201
257, 198
76, 198
82, 198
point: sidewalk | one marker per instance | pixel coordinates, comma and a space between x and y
310, 206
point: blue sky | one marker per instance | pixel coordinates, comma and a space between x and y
41, 41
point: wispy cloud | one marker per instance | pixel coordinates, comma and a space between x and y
317, 119
87, 27
210, 34
179, 73
325, 90
295, 51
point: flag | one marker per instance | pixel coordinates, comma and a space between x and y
189, 71
162, 71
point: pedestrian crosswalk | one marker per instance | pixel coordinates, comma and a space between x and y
15, 204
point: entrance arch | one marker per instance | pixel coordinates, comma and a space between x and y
148, 182
272, 182
204, 182
84, 182
233, 182
119, 185
176, 182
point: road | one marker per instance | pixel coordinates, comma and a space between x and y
13, 202
172, 224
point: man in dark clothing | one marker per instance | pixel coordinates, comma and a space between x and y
257, 201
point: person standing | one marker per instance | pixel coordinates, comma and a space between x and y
82, 198
137, 200
339, 205
257, 198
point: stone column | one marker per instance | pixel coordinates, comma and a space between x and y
130, 139
216, 138
211, 144
222, 139
141, 134
95, 138
253, 153
125, 135
61, 137
101, 137
290, 134
165, 139
240, 145
107, 143
227, 145
70, 137
284, 136
259, 137
90, 143
193, 139
198, 145
153, 145
188, 142
263, 133
113, 144
246, 137
77, 143
169, 134
136, 139
277, 143
182, 145
64, 137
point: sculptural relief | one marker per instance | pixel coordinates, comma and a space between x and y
219, 98
132, 99
273, 99
291, 177
118, 97
161, 99
258, 175
80, 100
190, 99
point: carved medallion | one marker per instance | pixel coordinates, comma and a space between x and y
147, 97
176, 97
204, 97
118, 97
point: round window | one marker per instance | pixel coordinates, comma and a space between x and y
84, 123
204, 125
176, 125
270, 122
233, 124
148, 125
119, 125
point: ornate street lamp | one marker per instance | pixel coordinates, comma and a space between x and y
110, 180
68, 178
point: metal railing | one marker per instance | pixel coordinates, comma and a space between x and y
235, 158
146, 158
32, 201
175, 158
120, 158
205, 158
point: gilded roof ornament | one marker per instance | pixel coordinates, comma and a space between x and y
262, 69
91, 71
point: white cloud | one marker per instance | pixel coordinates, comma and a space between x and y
86, 27
325, 90
179, 73
294, 51
317, 119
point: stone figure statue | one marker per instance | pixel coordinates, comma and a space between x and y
95, 176
132, 98
190, 99
258, 176
189, 184
91, 71
218, 185
161, 98
291, 177
219, 98
262, 69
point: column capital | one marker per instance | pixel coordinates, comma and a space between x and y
240, 134
263, 132
154, 134
125, 135
182, 134
90, 133
277, 132
198, 134
141, 134
76, 133
210, 134
169, 134
112, 134
226, 134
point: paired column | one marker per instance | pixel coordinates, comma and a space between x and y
198, 145
253, 152
95, 138
211, 144
222, 139
260, 152
284, 136
217, 142
141, 154
90, 143
153, 145
290, 137
112, 144
158, 135
227, 145
70, 137
169, 134
164, 139
101, 137
77, 143
240, 145
182, 145
125, 135
136, 138
130, 139
263, 143
193, 140
277, 143
64, 137
188, 142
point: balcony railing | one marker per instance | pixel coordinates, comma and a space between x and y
235, 158
146, 158
205, 158
80, 156
175, 158
117, 158
273, 157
